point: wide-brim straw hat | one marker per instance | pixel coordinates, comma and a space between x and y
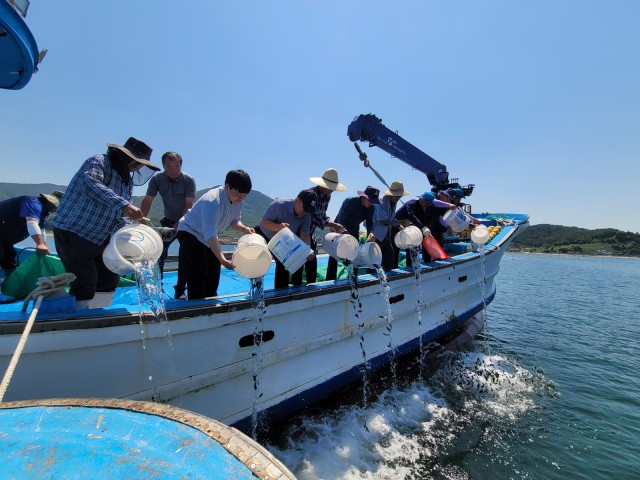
137, 150
396, 189
329, 180
54, 198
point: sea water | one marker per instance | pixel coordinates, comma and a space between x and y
549, 391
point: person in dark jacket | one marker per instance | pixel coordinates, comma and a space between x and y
21, 217
422, 213
353, 212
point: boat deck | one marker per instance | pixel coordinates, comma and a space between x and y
233, 288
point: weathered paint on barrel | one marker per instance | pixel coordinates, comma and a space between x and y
118, 439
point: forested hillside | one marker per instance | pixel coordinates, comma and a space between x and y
558, 239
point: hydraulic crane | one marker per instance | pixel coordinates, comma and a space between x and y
369, 128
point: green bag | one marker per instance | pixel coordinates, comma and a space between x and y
23, 280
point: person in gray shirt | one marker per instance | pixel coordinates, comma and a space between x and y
178, 192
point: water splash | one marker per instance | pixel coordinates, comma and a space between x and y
150, 298
422, 430
415, 262
356, 304
259, 310
483, 277
386, 291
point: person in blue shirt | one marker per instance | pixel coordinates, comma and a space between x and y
96, 204
384, 224
294, 214
200, 251
21, 217
353, 212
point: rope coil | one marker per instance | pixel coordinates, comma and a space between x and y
45, 286
49, 286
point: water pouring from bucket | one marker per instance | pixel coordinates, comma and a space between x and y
132, 244
251, 256
341, 246
480, 235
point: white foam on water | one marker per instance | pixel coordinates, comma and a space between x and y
407, 433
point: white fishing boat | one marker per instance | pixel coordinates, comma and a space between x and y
234, 358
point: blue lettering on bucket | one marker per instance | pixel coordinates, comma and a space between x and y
286, 257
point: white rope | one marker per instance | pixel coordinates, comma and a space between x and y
46, 286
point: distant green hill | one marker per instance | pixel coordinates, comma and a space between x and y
558, 239
254, 206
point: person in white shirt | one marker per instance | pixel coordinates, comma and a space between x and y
200, 252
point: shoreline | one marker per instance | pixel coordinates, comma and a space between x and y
573, 254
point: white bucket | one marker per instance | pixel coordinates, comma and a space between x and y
480, 235
456, 219
132, 243
251, 256
408, 237
369, 255
341, 246
289, 249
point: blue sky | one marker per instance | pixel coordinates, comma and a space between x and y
537, 103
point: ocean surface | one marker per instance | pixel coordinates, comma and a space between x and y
549, 391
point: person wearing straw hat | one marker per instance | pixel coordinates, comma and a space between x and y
325, 186
96, 204
353, 212
21, 217
384, 223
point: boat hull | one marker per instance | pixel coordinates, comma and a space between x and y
311, 341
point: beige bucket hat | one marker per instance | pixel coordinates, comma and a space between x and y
53, 198
396, 189
329, 180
